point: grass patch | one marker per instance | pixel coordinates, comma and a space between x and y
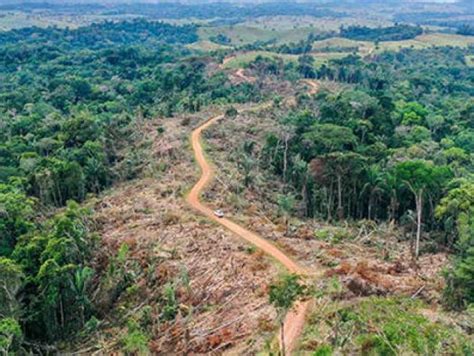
242, 60
13, 20
318, 25
445, 39
420, 42
381, 326
238, 34
206, 46
333, 235
470, 61
323, 58
243, 34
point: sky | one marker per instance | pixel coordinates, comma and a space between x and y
184, 1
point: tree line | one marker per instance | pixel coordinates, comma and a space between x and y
398, 32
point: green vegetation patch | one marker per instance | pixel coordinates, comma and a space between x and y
243, 35
333, 234
445, 39
239, 35
470, 61
391, 33
244, 59
339, 44
381, 326
12, 20
68, 101
322, 24
206, 46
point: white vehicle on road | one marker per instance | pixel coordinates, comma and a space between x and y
219, 213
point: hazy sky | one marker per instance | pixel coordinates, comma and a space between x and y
187, 1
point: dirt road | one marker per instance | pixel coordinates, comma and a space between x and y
294, 321
313, 85
240, 74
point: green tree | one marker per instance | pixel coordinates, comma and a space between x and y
306, 66
327, 138
374, 187
459, 292
10, 336
11, 280
300, 177
16, 213
343, 165
247, 165
286, 205
283, 295
56, 260
456, 210
421, 178
81, 281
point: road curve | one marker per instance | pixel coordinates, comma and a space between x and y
294, 321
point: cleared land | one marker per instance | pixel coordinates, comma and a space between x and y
356, 271
243, 34
12, 20
265, 30
294, 319
470, 61
221, 281
206, 46
420, 42
444, 39
316, 24
242, 60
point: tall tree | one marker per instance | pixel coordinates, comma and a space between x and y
283, 295
286, 205
421, 178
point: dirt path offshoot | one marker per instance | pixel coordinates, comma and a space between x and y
313, 84
294, 321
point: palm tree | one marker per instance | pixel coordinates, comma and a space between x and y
79, 285
373, 186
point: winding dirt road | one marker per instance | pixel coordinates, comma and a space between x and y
294, 321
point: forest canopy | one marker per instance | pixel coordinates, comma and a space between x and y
393, 33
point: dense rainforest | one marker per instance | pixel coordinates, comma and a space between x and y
395, 145
68, 102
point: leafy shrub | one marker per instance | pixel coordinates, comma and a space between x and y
397, 328
333, 234
231, 112
10, 335
170, 308
135, 341
380, 326
323, 350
